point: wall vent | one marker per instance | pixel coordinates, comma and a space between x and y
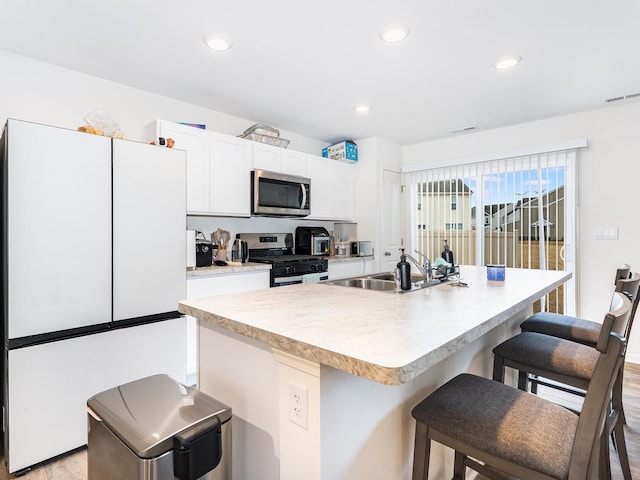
623, 97
463, 129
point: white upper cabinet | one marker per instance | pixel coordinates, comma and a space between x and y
218, 168
229, 176
318, 172
277, 159
342, 191
332, 188
194, 141
219, 172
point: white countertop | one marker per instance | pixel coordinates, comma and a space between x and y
386, 337
231, 267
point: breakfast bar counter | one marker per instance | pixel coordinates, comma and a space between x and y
322, 378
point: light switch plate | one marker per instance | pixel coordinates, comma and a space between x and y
605, 233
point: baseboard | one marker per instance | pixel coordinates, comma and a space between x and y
632, 362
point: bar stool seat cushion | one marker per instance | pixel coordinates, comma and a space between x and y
563, 326
497, 419
550, 353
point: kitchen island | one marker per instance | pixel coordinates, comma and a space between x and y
322, 378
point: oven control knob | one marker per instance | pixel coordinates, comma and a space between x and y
289, 270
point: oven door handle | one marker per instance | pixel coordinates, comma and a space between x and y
303, 187
297, 278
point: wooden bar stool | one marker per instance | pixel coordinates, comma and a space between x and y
573, 364
571, 328
489, 424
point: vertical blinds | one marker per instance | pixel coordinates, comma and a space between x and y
510, 211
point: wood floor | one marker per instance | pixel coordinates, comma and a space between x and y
74, 466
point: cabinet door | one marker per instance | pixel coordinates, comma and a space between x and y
341, 190
266, 157
58, 229
350, 269
293, 163
230, 176
318, 172
149, 220
281, 160
194, 141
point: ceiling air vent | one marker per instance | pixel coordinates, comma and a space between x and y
622, 97
470, 128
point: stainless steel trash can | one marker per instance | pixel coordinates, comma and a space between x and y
158, 429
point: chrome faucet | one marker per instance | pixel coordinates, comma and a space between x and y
425, 268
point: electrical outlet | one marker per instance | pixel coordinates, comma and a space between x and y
298, 405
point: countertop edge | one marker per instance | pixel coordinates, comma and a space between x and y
231, 268
378, 373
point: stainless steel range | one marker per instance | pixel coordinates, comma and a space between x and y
287, 268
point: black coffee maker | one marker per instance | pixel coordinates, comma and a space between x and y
204, 251
312, 241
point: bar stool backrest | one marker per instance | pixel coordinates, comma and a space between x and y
585, 454
631, 288
622, 272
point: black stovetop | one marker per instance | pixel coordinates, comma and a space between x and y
280, 259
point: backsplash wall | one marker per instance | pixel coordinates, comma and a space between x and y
234, 225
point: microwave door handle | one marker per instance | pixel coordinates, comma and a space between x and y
304, 195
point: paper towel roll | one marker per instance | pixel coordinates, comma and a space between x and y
191, 249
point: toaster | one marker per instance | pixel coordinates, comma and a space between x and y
361, 249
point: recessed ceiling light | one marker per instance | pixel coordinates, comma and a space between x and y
394, 33
362, 108
506, 62
218, 42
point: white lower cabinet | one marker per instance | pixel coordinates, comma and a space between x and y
47, 413
361, 266
220, 284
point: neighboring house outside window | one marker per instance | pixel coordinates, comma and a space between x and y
454, 202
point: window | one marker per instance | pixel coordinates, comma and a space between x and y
515, 211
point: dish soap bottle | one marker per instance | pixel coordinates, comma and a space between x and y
404, 271
447, 255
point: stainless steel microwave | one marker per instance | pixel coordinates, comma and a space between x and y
277, 194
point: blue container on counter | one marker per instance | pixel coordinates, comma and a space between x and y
495, 273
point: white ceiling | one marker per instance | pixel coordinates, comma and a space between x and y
301, 65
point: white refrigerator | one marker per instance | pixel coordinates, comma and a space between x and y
94, 264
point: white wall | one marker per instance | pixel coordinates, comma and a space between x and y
609, 176
40, 92
375, 155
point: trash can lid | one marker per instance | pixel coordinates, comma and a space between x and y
146, 414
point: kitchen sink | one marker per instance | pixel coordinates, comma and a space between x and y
415, 278
384, 282
365, 282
